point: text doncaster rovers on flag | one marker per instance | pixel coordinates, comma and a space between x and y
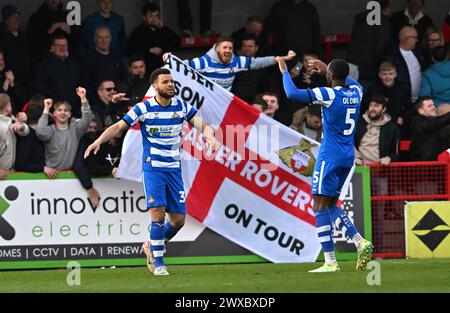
255, 190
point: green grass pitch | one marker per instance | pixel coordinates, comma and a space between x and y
396, 276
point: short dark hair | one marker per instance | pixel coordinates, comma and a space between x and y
383, 4
313, 53
260, 101
340, 69
419, 103
100, 86
136, 57
160, 71
314, 110
380, 99
149, 7
255, 18
250, 37
224, 38
272, 94
35, 108
439, 53
59, 37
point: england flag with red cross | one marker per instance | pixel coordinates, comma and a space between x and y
255, 189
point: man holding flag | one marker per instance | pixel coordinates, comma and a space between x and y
161, 119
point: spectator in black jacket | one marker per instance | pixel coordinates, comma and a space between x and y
59, 75
253, 27
108, 104
152, 38
248, 84
30, 151
396, 93
295, 26
137, 83
100, 64
8, 84
432, 38
368, 43
409, 61
49, 21
15, 45
426, 126
411, 16
377, 136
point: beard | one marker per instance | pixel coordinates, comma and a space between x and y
167, 94
375, 116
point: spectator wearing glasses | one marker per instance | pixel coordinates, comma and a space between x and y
109, 105
432, 38
59, 75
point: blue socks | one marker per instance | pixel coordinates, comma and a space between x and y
324, 230
342, 222
169, 231
157, 242
159, 233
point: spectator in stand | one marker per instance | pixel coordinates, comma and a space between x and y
137, 83
259, 104
295, 25
61, 139
9, 128
253, 27
100, 64
446, 28
16, 50
273, 103
409, 61
377, 136
411, 16
103, 17
432, 38
59, 74
436, 79
152, 38
8, 84
308, 121
30, 150
185, 17
220, 64
368, 43
49, 21
109, 105
303, 75
400, 106
376, 142
248, 84
426, 126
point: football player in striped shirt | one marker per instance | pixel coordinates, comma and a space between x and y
161, 119
340, 111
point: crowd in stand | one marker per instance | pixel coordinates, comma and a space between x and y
61, 85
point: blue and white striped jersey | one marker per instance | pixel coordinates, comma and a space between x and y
221, 74
161, 129
340, 113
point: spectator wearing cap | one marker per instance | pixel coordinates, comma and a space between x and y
16, 50
436, 79
308, 121
377, 136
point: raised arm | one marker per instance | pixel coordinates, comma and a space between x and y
106, 136
292, 92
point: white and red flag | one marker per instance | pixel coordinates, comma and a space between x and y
256, 189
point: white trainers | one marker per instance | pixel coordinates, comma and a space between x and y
150, 259
161, 271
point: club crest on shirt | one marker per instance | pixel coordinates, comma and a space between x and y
299, 158
175, 115
151, 200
